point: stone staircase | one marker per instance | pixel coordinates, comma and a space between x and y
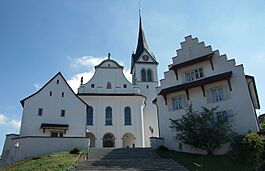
127, 159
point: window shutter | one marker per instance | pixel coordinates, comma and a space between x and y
226, 93
209, 96
183, 78
185, 101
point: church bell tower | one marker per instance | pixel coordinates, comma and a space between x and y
144, 75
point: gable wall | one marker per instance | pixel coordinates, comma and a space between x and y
52, 105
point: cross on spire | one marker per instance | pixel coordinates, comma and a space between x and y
139, 5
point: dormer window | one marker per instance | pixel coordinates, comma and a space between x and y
108, 85
194, 75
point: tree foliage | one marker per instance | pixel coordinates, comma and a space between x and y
249, 148
262, 125
203, 129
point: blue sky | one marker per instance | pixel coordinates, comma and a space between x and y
40, 38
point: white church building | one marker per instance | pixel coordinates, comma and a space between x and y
110, 111
107, 111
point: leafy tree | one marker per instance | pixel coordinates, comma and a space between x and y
203, 130
249, 148
262, 125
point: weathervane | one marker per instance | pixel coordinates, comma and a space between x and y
139, 6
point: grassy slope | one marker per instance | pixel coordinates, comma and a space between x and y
56, 161
209, 163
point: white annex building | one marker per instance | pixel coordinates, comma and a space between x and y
110, 111
203, 77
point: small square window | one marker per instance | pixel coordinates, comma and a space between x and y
217, 94
124, 86
40, 111
108, 85
222, 115
63, 113
62, 94
92, 85
50, 93
57, 82
177, 102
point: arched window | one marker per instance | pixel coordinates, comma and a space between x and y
143, 74
108, 85
149, 75
89, 116
108, 116
127, 116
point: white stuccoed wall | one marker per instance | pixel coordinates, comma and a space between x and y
239, 100
52, 106
32, 140
37, 146
117, 98
118, 129
150, 110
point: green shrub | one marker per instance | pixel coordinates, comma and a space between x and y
162, 148
76, 150
249, 148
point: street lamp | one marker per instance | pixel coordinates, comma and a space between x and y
16, 147
88, 144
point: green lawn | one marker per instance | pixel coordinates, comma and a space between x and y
209, 163
56, 161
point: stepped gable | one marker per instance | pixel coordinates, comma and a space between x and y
194, 52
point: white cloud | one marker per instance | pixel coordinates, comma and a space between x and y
74, 82
37, 86
15, 123
4, 120
89, 62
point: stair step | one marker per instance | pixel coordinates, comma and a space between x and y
127, 159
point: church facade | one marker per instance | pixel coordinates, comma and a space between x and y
110, 111
107, 111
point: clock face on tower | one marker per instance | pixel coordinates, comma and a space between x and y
145, 58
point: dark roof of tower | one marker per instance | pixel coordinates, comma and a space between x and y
142, 43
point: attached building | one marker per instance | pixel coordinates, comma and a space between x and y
203, 77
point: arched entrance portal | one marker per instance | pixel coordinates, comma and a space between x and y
108, 140
92, 138
128, 140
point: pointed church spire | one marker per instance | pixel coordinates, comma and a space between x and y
142, 43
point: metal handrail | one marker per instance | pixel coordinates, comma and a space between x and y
83, 153
197, 165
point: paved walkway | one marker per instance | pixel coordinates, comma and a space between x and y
144, 159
